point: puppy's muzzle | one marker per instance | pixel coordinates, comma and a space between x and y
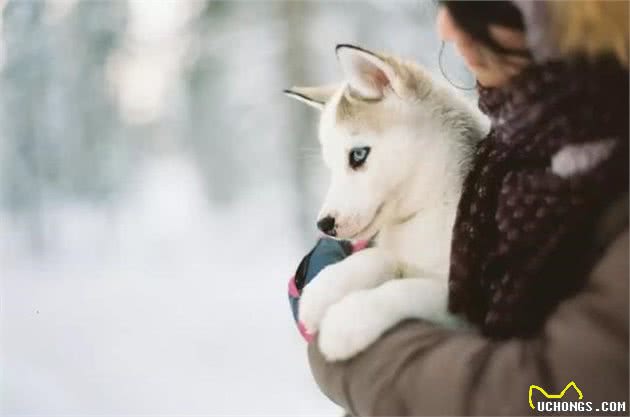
327, 225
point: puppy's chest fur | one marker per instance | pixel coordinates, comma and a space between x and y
421, 245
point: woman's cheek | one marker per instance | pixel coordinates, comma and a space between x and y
470, 52
446, 29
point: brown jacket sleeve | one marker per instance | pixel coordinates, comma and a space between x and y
418, 369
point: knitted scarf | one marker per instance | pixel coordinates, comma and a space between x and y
556, 157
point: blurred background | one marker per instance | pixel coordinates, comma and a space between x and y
157, 191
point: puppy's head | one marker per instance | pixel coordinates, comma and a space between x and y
367, 135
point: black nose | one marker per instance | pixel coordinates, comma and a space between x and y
327, 225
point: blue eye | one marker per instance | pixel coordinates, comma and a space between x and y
358, 156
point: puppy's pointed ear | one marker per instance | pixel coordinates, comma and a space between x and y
313, 96
368, 74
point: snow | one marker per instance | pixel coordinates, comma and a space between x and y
157, 305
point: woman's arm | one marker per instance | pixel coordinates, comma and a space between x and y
418, 369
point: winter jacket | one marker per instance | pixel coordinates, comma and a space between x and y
420, 369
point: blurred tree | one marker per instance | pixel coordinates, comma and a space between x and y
209, 131
295, 15
56, 110
97, 158
23, 83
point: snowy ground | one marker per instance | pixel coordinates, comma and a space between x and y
155, 306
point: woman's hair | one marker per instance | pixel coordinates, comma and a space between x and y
475, 18
587, 28
590, 28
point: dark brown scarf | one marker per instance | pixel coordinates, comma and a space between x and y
523, 237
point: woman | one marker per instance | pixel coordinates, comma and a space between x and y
540, 244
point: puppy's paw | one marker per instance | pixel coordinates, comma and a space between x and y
323, 291
353, 324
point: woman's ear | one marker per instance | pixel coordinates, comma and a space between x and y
368, 74
313, 96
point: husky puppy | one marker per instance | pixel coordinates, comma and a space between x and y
398, 145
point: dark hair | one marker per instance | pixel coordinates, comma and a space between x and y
475, 18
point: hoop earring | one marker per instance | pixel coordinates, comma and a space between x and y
441, 53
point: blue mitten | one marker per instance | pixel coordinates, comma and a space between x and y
326, 252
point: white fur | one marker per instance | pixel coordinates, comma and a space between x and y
421, 136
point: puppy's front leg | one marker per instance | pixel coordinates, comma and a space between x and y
365, 269
359, 319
